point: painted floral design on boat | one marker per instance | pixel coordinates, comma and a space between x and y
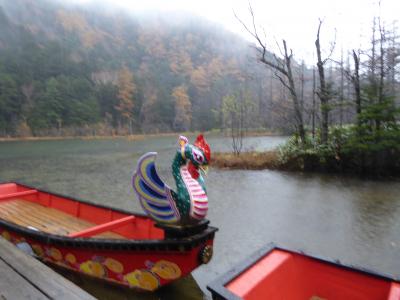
38, 250
113, 265
93, 268
54, 253
143, 279
148, 278
166, 270
6, 235
71, 259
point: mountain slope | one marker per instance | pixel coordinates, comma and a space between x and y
71, 66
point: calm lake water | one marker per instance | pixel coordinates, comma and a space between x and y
356, 221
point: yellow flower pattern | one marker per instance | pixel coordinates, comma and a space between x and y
6, 235
93, 268
166, 270
38, 250
143, 279
70, 258
55, 254
113, 265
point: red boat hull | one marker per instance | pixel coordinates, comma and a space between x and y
276, 273
117, 247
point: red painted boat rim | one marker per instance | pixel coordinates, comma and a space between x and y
218, 286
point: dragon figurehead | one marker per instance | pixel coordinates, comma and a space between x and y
189, 203
197, 156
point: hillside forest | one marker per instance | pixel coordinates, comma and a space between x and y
81, 70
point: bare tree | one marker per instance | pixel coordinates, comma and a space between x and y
282, 67
314, 89
355, 78
324, 92
393, 54
353, 82
302, 83
341, 90
236, 109
376, 65
382, 69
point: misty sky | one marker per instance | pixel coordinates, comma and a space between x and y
294, 20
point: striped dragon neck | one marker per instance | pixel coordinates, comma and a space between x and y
198, 196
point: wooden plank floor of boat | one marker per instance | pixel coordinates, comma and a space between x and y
46, 219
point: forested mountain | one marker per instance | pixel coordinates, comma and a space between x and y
72, 70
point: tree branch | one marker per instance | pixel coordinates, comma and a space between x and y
282, 81
254, 34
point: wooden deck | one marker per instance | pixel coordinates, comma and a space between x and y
46, 219
23, 277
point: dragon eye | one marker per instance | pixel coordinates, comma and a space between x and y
198, 156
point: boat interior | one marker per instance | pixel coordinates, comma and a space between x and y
49, 213
286, 275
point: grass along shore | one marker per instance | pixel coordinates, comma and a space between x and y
253, 160
247, 160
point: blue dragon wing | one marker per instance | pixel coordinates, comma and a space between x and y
154, 195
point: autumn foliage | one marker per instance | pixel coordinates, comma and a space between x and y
126, 90
183, 109
75, 70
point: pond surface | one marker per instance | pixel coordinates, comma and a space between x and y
356, 221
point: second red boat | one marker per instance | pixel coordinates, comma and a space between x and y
276, 273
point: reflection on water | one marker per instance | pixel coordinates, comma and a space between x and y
353, 220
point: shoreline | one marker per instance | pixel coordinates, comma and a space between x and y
85, 137
132, 137
97, 137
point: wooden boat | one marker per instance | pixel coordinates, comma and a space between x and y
277, 273
110, 244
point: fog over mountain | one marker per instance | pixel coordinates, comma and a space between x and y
66, 66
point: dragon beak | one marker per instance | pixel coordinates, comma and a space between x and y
204, 169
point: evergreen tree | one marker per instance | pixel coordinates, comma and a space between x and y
10, 106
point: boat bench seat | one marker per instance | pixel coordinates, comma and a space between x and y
102, 227
18, 194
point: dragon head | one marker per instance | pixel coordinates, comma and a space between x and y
198, 155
